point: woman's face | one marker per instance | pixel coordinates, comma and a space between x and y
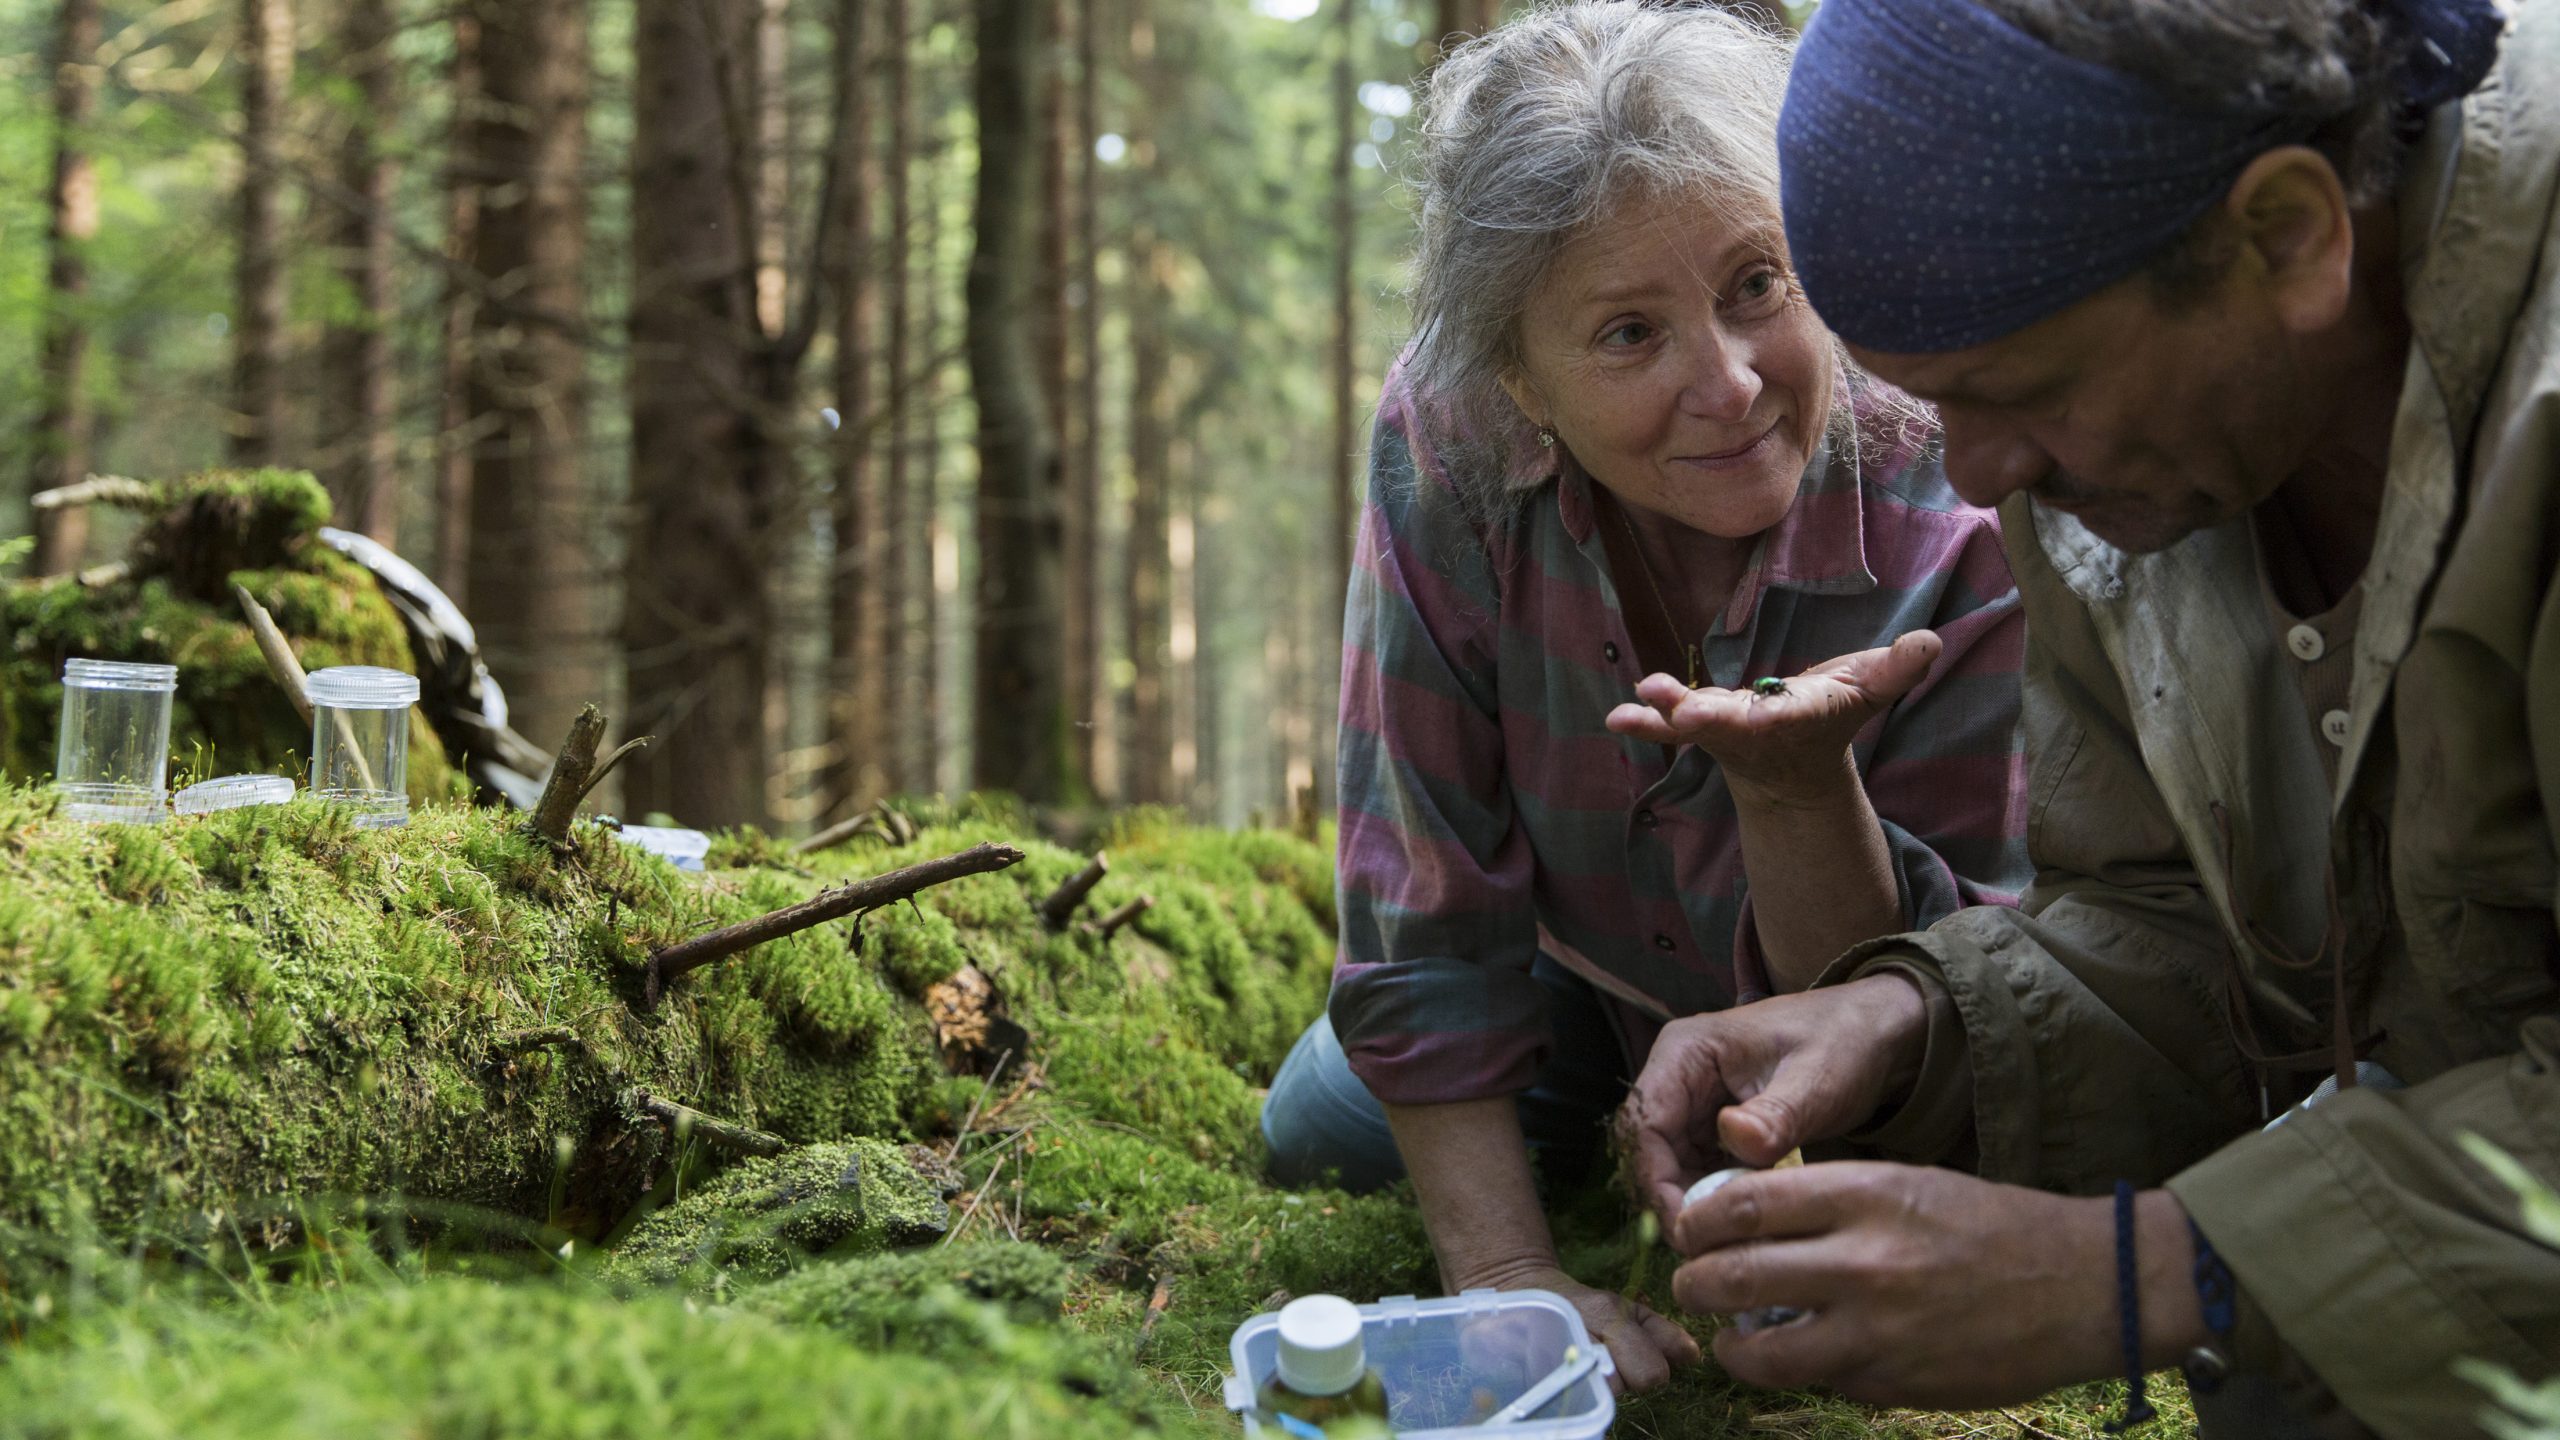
1673, 353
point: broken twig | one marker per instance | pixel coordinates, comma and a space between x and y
604, 767
1110, 924
1157, 1304
835, 834
97, 490
568, 782
1061, 905
278, 652
686, 1121
826, 905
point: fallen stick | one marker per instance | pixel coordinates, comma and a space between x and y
1110, 924
686, 1121
290, 678
835, 834
860, 895
1061, 905
568, 783
96, 490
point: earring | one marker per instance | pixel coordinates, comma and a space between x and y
1546, 438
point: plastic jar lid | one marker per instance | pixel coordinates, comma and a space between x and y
678, 846
233, 792
120, 675
1320, 1352
362, 687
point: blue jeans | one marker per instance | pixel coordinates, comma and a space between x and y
1319, 1120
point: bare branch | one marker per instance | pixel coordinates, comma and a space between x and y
1110, 924
568, 783
279, 654
605, 766
685, 1121
871, 894
99, 490
1061, 905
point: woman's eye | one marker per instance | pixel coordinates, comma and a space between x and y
1634, 332
1758, 284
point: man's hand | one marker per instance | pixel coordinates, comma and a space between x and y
1644, 1346
1927, 1287
1755, 1082
1788, 747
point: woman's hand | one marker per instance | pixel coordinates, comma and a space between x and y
1790, 747
1646, 1347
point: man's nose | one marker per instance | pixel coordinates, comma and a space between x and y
1987, 464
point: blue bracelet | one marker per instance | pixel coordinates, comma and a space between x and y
2216, 1291
2137, 1403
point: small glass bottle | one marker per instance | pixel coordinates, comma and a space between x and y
1323, 1377
360, 741
111, 764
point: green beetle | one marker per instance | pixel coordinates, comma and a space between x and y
1768, 685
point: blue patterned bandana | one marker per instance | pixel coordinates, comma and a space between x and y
1949, 179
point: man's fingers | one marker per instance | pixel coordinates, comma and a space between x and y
1763, 1128
1816, 1350
1807, 1200
1640, 1362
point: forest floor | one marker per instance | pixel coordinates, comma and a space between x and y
306, 1130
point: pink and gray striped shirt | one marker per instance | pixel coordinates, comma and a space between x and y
1487, 813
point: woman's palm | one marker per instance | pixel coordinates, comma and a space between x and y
1786, 738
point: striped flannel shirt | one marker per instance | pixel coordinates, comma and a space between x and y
1487, 813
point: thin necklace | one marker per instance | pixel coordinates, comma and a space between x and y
1637, 547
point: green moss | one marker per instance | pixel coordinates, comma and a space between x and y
452, 1358
759, 1216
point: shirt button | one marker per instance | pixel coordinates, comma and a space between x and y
1610, 650
1647, 819
2333, 727
2305, 643
1664, 942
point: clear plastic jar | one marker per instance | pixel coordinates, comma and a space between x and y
360, 741
111, 765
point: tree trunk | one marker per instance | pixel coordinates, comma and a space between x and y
1088, 699
895, 642
1057, 311
63, 431
534, 577
704, 468
929, 740
257, 374
1019, 693
1345, 515
454, 416
1146, 771
855, 735
361, 446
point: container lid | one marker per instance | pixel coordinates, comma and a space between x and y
119, 675
233, 792
362, 687
1710, 1184
1320, 1345
671, 841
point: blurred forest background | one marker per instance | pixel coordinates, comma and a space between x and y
866, 397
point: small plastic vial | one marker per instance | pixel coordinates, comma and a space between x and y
1748, 1321
111, 765
360, 741
1323, 1377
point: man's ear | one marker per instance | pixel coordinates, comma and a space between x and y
2293, 221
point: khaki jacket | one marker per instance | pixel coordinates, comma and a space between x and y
2186, 835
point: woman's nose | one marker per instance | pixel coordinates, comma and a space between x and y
1723, 383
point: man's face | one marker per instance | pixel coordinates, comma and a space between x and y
2147, 421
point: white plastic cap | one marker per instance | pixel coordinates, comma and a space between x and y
362, 687
233, 792
1710, 1185
1320, 1352
120, 675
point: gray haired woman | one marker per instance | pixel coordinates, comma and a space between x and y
1672, 667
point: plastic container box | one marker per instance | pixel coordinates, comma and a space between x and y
1451, 1362
234, 792
679, 847
360, 741
111, 763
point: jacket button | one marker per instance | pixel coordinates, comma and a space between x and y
1610, 651
2333, 727
1647, 819
2305, 643
1664, 942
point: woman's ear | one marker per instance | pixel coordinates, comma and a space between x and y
1525, 395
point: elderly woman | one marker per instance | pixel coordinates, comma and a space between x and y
1599, 766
